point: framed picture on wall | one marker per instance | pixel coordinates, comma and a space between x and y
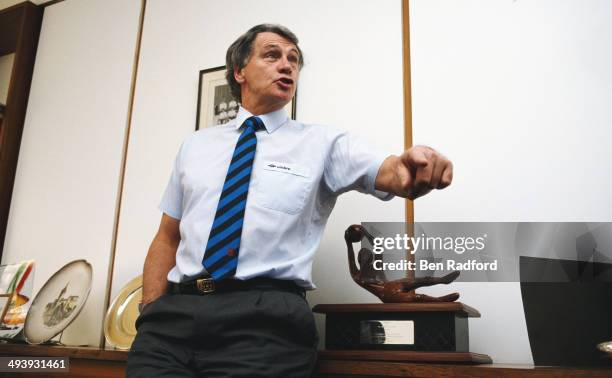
216, 105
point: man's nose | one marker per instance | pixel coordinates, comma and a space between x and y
285, 66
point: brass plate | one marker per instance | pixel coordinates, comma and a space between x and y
120, 320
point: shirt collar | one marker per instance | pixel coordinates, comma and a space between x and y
272, 121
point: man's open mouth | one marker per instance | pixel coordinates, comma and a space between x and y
286, 80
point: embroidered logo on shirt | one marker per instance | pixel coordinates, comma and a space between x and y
272, 165
293, 169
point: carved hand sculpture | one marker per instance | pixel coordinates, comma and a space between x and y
373, 280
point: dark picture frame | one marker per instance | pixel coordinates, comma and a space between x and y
216, 105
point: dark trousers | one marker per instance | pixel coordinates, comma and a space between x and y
251, 333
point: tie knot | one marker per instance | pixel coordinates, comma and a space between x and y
254, 123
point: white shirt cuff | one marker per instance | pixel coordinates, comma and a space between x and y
371, 183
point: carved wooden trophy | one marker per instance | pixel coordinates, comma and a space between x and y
406, 327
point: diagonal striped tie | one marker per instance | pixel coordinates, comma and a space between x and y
221, 254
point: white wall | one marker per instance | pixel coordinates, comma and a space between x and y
66, 185
9, 3
6, 69
352, 79
517, 94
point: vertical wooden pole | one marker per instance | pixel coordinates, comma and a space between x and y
126, 140
407, 92
407, 115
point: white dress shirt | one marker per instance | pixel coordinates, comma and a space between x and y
298, 172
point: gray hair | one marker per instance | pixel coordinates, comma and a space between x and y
239, 52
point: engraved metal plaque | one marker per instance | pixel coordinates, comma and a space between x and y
386, 332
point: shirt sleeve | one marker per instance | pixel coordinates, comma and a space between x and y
353, 165
172, 200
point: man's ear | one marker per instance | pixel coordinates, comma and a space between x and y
238, 76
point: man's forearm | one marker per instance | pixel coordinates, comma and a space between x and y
160, 259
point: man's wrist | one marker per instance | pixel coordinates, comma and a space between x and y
386, 175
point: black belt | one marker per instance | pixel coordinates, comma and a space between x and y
204, 286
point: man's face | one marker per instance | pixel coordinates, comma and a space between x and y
269, 79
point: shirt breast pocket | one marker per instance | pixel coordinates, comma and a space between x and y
283, 187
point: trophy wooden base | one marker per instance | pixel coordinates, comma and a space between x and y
423, 332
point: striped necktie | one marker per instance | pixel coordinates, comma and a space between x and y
221, 254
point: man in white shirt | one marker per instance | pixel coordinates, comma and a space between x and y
243, 215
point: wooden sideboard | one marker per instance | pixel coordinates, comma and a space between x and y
95, 362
